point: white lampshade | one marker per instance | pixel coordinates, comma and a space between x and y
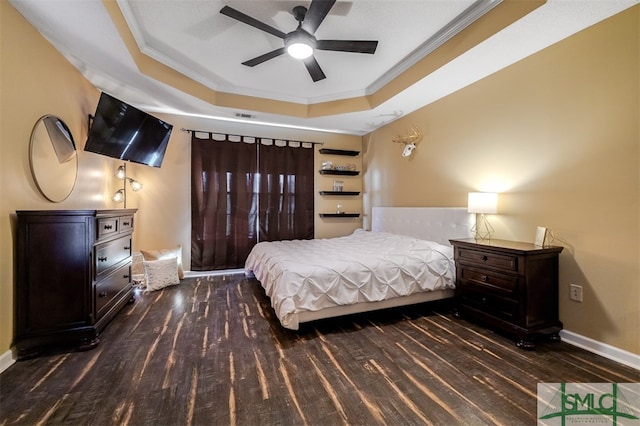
483, 202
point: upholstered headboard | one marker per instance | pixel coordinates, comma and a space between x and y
437, 224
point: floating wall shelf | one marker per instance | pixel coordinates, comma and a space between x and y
339, 214
339, 192
340, 172
338, 152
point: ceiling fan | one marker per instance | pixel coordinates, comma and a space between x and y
300, 43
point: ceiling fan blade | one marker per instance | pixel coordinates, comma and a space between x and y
357, 46
318, 10
263, 58
314, 69
246, 19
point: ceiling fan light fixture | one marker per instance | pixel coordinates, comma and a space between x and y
299, 50
299, 44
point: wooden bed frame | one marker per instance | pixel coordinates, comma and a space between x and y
437, 224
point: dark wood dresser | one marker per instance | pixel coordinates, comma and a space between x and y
73, 275
512, 286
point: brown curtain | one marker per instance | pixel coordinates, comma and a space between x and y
286, 193
234, 187
223, 203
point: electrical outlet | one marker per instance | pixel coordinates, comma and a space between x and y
575, 292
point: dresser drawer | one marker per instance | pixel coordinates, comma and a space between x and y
496, 306
110, 253
500, 261
109, 288
489, 281
107, 226
125, 223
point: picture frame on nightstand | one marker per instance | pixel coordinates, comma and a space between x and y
541, 236
544, 237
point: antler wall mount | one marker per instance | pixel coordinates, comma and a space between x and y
410, 140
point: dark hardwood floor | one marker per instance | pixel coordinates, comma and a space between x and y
211, 352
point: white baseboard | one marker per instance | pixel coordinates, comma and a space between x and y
611, 352
6, 360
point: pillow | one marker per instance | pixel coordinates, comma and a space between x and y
165, 254
161, 273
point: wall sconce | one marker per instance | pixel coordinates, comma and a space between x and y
482, 203
121, 194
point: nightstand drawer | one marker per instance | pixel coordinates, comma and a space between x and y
484, 258
490, 282
496, 306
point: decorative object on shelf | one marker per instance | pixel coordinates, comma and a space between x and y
338, 185
482, 203
53, 159
410, 140
327, 165
339, 209
121, 194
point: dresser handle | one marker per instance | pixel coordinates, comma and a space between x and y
102, 259
127, 248
484, 278
103, 294
108, 227
126, 223
125, 276
484, 258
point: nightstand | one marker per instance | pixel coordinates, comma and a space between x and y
509, 285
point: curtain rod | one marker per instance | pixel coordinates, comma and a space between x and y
245, 136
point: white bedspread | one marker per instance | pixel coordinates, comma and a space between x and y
309, 275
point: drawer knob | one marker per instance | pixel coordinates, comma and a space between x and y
108, 227
102, 259
126, 223
103, 294
483, 300
127, 248
484, 278
484, 258
125, 276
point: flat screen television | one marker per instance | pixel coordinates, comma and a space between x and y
121, 131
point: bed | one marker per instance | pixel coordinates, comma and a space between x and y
405, 259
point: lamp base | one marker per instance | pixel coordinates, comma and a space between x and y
482, 229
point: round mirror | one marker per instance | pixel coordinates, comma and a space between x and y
53, 158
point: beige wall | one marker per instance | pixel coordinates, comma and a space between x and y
557, 134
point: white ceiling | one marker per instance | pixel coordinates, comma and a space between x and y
193, 38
